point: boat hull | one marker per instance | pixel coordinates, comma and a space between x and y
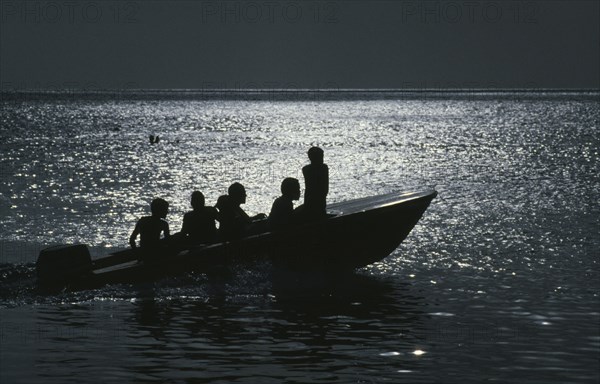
357, 233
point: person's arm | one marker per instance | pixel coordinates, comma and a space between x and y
273, 218
166, 230
245, 219
243, 215
326, 179
274, 209
249, 219
221, 208
186, 224
134, 235
217, 213
305, 173
260, 216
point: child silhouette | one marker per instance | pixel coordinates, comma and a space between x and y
199, 224
150, 228
316, 180
282, 212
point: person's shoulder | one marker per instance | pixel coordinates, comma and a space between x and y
223, 201
281, 202
144, 219
277, 202
210, 211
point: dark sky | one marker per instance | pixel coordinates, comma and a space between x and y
299, 44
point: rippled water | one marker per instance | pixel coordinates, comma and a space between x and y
499, 280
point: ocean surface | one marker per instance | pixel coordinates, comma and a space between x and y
499, 281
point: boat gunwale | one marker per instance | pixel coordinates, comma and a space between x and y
389, 200
340, 215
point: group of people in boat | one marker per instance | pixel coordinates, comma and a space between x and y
199, 225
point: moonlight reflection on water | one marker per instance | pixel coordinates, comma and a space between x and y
498, 281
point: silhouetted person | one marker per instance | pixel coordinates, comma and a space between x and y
150, 228
199, 225
234, 222
282, 212
316, 180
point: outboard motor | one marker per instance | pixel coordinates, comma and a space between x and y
61, 264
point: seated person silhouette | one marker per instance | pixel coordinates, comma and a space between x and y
282, 214
150, 228
316, 180
234, 222
199, 225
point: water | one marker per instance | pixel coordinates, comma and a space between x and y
498, 281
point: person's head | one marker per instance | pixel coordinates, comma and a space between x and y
197, 200
222, 202
237, 193
159, 208
290, 188
315, 154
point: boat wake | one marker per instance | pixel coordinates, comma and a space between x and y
18, 286
260, 281
17, 281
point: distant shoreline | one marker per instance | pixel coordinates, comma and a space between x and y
286, 94
292, 90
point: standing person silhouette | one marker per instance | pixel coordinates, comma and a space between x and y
316, 181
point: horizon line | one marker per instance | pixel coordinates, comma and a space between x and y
292, 90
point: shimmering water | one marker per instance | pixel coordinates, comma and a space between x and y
499, 280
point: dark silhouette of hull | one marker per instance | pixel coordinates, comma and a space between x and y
355, 234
